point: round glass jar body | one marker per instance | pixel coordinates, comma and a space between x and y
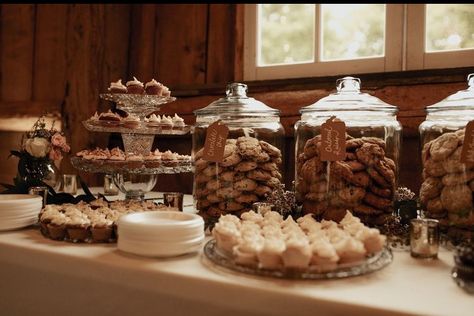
447, 187
253, 155
365, 181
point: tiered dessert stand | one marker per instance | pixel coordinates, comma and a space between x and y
137, 178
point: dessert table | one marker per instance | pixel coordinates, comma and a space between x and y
46, 277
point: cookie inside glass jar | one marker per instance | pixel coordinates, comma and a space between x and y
251, 166
364, 181
447, 187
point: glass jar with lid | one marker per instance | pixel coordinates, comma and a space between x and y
447, 187
253, 154
364, 181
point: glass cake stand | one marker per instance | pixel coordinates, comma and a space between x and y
138, 104
135, 178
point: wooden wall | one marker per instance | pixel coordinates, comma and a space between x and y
57, 58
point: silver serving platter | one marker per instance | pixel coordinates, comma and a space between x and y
370, 264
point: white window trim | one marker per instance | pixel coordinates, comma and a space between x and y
403, 50
417, 58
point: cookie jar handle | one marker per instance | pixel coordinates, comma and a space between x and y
348, 84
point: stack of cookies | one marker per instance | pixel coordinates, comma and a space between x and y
364, 182
446, 191
249, 171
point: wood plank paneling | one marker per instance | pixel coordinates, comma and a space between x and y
85, 50
116, 41
142, 42
49, 81
180, 44
239, 42
220, 43
16, 54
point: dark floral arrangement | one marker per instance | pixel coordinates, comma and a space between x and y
40, 150
398, 228
284, 202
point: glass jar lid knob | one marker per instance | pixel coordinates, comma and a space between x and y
236, 89
348, 84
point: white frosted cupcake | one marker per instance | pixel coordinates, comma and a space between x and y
270, 256
153, 120
372, 239
324, 256
350, 250
297, 254
245, 252
178, 122
226, 235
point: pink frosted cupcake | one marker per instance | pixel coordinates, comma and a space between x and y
135, 86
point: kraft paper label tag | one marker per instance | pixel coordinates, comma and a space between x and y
467, 153
214, 145
333, 140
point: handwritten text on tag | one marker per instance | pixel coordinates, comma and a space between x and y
215, 142
333, 140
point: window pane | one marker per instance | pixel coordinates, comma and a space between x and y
286, 33
352, 31
449, 27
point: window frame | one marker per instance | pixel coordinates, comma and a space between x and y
403, 50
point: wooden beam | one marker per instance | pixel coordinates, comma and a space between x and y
370, 82
29, 108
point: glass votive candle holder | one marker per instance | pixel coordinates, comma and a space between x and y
41, 191
70, 183
109, 186
262, 207
173, 199
424, 238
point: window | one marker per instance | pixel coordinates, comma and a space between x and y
305, 40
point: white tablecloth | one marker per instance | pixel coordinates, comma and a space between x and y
44, 277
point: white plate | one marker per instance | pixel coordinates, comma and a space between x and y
157, 250
170, 226
181, 236
14, 199
9, 225
168, 220
164, 244
30, 211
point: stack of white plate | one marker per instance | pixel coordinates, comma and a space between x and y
160, 233
19, 210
